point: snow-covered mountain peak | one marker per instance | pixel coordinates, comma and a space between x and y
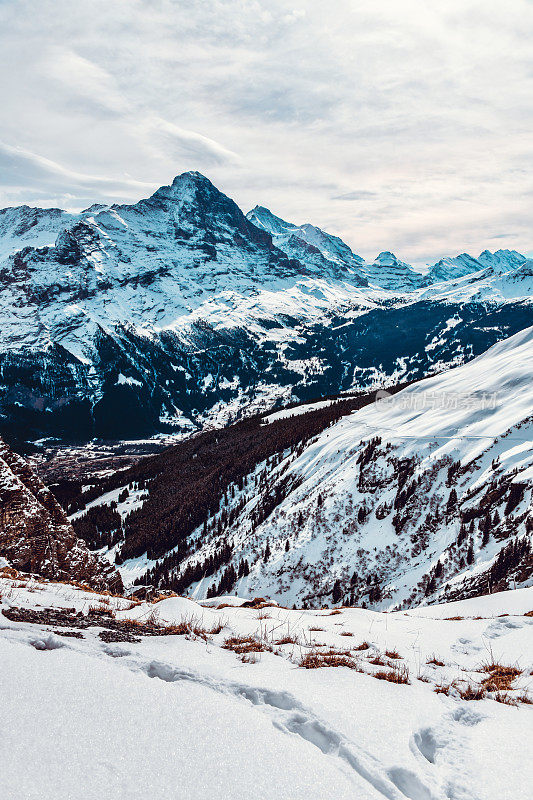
264, 218
325, 254
449, 268
388, 272
505, 276
501, 260
186, 186
386, 258
187, 267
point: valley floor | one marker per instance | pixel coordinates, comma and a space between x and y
221, 705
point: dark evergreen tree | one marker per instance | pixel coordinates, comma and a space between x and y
336, 595
266, 554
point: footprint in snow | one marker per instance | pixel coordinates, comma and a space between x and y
466, 646
502, 625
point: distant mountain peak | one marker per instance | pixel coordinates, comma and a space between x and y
388, 272
387, 258
325, 253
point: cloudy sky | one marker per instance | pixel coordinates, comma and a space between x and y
395, 124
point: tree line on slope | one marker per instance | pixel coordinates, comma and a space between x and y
187, 483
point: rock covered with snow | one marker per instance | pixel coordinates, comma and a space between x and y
390, 273
326, 255
127, 320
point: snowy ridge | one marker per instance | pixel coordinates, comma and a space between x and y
327, 254
390, 273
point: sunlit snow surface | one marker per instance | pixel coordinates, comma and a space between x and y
182, 718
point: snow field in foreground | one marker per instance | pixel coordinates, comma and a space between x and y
183, 717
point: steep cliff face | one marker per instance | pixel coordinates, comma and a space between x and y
35, 534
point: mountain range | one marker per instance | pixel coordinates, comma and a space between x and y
180, 311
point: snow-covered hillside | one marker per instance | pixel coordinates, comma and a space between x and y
412, 496
23, 226
102, 697
496, 283
464, 264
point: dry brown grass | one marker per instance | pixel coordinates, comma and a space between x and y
506, 698
161, 597
286, 640
392, 654
399, 673
346, 633
500, 677
217, 628
8, 572
85, 587
249, 658
436, 661
528, 614
442, 688
378, 661
452, 619
362, 646
470, 692
316, 659
316, 629
334, 612
245, 644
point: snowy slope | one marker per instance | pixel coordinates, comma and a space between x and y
148, 263
22, 226
182, 716
464, 264
415, 494
386, 272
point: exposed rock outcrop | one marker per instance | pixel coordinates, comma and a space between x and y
35, 534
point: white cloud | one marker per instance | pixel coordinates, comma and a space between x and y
397, 125
180, 143
22, 169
